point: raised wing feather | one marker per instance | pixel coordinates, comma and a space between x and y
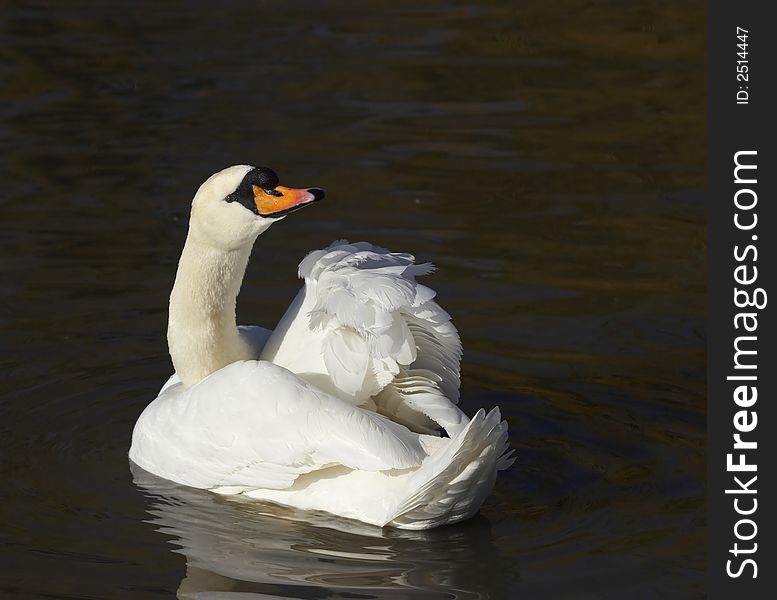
254, 425
379, 328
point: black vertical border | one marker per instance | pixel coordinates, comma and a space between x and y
733, 127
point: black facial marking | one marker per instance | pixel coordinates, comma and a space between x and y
262, 177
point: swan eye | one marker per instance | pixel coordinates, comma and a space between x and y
273, 193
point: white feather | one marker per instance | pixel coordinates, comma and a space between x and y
371, 292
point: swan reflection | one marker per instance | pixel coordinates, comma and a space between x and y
237, 548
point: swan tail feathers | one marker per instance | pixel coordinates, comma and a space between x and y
453, 482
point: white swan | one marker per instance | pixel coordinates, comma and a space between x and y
337, 409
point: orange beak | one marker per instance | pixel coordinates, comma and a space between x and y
284, 200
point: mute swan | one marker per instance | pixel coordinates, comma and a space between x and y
336, 410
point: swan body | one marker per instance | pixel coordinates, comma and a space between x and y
339, 408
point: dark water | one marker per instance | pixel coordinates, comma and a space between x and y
545, 155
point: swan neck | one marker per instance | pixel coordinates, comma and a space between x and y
202, 332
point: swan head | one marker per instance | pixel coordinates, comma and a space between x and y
235, 205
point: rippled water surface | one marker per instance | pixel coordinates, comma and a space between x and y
547, 156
